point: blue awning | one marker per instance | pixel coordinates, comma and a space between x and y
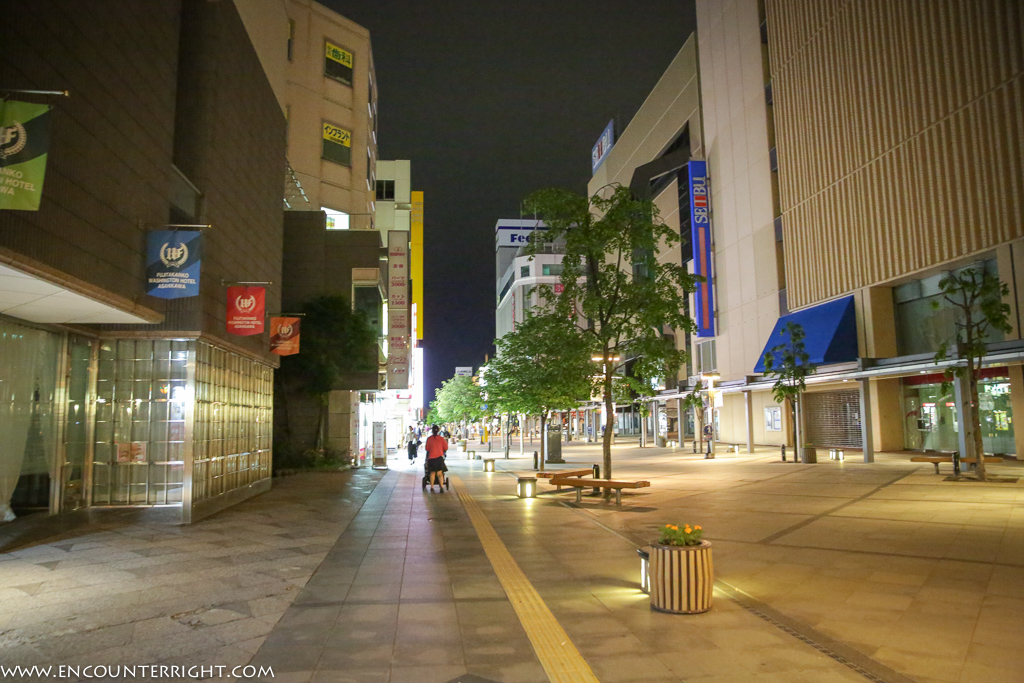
831, 330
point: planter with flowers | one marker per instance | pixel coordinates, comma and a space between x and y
681, 573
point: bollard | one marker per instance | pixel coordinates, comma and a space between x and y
783, 452
956, 463
694, 444
597, 471
536, 464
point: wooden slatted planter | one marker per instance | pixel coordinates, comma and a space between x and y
682, 578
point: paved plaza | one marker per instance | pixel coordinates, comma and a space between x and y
827, 572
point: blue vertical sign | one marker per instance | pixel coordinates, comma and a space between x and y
172, 263
700, 238
603, 145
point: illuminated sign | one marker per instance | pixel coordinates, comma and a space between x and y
603, 145
700, 234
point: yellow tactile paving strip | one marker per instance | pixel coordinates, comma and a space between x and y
562, 662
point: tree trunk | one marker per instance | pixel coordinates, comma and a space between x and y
609, 429
974, 410
522, 443
798, 446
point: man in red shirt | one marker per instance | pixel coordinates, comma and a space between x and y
436, 447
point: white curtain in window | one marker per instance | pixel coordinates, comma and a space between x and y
28, 380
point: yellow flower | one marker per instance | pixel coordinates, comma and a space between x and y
687, 530
697, 528
673, 527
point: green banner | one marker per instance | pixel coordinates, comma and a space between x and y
24, 142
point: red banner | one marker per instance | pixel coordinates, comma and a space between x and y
246, 310
284, 336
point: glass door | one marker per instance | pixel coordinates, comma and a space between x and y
79, 413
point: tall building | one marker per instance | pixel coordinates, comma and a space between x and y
898, 153
331, 106
652, 157
110, 397
518, 274
848, 171
323, 64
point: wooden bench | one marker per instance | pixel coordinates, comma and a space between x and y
579, 484
554, 475
937, 459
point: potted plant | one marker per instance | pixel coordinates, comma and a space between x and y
681, 573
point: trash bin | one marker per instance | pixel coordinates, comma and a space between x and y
554, 445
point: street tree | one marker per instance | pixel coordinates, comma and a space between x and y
623, 300
337, 342
542, 366
977, 298
458, 400
790, 365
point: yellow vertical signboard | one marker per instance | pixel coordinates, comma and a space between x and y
416, 260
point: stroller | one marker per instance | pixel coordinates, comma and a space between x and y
444, 474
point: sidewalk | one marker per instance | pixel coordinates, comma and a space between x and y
828, 572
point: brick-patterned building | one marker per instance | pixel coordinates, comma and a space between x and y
111, 397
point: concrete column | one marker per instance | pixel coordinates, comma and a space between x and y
748, 407
866, 432
679, 421
1017, 404
962, 395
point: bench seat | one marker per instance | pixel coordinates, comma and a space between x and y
937, 459
579, 484
561, 474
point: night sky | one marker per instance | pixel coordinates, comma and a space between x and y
491, 101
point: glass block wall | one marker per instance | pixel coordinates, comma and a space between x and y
141, 406
234, 417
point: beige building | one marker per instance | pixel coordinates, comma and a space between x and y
331, 106
320, 66
854, 156
899, 154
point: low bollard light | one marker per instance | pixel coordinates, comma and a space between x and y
488, 464
840, 455
831, 454
527, 487
645, 570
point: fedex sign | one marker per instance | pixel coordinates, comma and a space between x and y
517, 235
700, 234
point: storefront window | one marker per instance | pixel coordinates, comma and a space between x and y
924, 319
233, 428
28, 429
930, 418
141, 404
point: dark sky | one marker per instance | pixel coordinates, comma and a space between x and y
491, 101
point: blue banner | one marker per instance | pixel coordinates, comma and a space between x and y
172, 263
700, 237
603, 145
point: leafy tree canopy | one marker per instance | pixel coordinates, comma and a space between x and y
458, 400
336, 341
544, 365
620, 296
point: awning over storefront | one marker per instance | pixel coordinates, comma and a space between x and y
831, 330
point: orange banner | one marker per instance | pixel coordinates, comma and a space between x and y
284, 336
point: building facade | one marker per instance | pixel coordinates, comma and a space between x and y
848, 172
113, 398
518, 274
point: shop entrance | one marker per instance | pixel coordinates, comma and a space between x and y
930, 418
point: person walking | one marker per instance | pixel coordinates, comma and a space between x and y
436, 448
412, 443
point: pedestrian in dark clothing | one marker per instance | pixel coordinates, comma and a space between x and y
436, 448
412, 443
